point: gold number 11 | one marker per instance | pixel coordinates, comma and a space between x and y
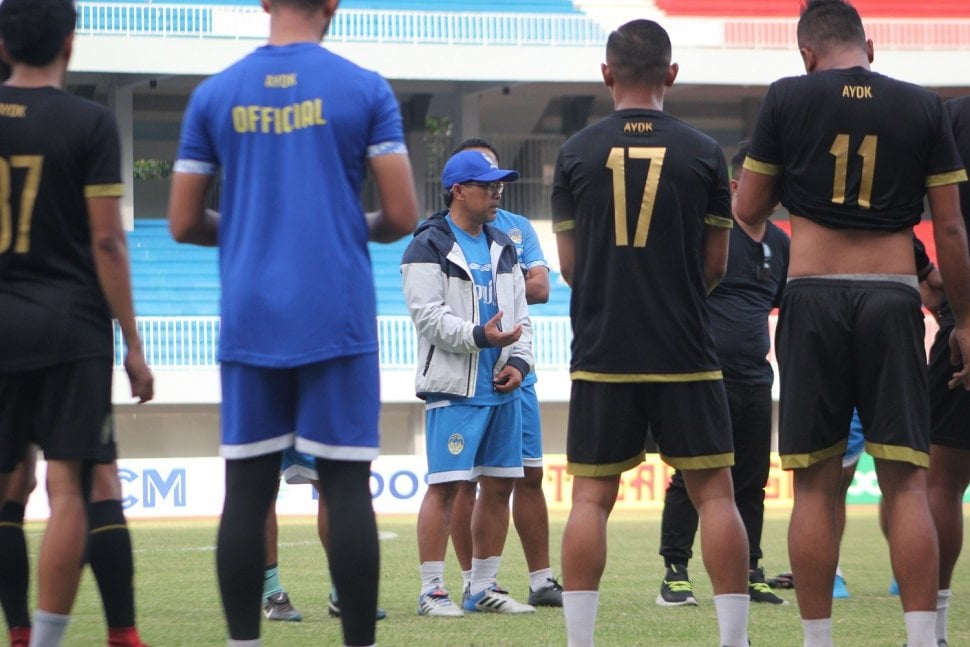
867, 151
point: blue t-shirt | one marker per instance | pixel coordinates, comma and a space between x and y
292, 128
476, 252
526, 242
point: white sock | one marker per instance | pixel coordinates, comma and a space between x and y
242, 643
817, 633
579, 609
732, 618
484, 573
920, 628
540, 579
838, 571
942, 608
466, 579
432, 576
48, 629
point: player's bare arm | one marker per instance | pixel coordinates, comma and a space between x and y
757, 196
188, 219
950, 235
537, 285
716, 244
110, 249
566, 246
399, 205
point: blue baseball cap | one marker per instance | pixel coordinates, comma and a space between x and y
474, 166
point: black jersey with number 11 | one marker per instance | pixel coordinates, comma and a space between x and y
853, 148
638, 189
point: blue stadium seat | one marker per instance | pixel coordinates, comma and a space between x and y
175, 280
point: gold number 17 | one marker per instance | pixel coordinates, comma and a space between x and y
617, 163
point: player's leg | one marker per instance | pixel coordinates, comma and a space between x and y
277, 606
895, 415
750, 407
813, 543
14, 562
949, 472
584, 554
725, 551
61, 553
530, 514
678, 526
913, 547
338, 422
607, 434
499, 462
110, 555
352, 545
461, 528
73, 409
257, 423
446, 473
814, 345
948, 478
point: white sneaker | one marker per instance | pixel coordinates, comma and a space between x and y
438, 603
495, 600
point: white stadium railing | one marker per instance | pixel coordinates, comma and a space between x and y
371, 25
488, 28
192, 342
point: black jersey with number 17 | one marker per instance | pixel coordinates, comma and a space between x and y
854, 149
637, 189
56, 150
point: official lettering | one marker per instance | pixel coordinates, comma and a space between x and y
278, 120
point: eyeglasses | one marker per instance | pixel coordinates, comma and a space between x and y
764, 269
494, 188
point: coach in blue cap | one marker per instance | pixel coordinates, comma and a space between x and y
466, 296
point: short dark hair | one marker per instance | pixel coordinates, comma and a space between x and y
638, 53
737, 162
33, 31
824, 23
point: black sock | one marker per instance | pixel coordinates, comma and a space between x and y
354, 551
109, 552
241, 545
14, 565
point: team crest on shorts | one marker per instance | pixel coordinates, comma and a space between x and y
455, 444
516, 235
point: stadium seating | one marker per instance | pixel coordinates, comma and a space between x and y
173, 280
776, 8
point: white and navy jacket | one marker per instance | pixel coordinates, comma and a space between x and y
441, 299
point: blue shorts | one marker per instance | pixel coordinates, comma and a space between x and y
531, 427
857, 443
467, 441
328, 409
298, 468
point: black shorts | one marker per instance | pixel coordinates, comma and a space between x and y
611, 424
844, 343
64, 409
949, 408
